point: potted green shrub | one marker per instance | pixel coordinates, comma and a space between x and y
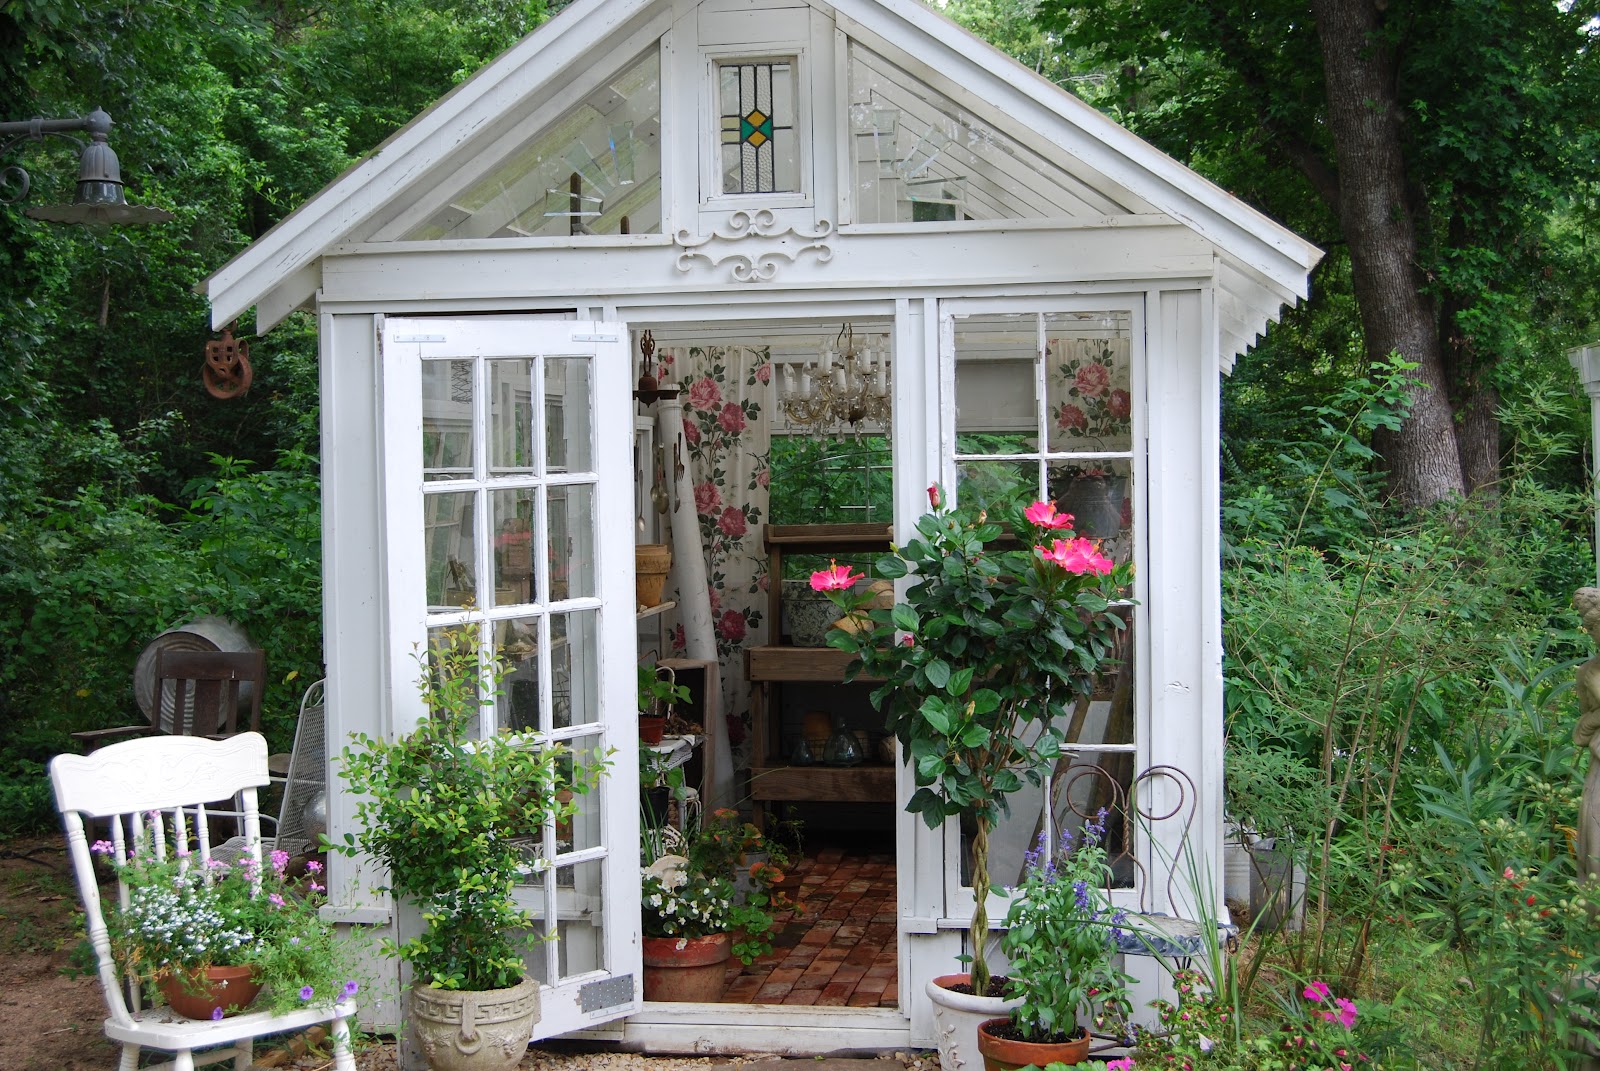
447, 813
1005, 627
1061, 943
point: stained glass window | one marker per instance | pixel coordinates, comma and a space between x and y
756, 101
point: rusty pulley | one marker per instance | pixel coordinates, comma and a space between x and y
227, 369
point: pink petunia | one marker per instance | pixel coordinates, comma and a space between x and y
731, 419
1044, 515
1317, 991
704, 395
834, 578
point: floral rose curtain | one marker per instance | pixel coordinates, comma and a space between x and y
728, 434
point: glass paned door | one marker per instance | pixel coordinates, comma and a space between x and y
1046, 407
503, 499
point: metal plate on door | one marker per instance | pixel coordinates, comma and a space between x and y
606, 993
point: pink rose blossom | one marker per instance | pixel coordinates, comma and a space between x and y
707, 499
1071, 418
731, 523
933, 496
1093, 379
1044, 515
731, 626
1120, 405
731, 419
834, 578
764, 372
762, 479
704, 395
691, 432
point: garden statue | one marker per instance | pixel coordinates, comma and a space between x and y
1587, 734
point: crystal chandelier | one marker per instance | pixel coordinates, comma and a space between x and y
838, 389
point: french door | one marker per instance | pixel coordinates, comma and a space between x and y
508, 496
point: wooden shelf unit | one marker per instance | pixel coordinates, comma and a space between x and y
769, 668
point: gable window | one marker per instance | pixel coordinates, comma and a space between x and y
759, 150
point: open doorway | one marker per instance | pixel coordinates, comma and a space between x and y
782, 484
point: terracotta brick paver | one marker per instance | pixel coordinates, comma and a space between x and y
841, 951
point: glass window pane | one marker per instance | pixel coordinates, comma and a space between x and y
579, 919
595, 170
516, 645
511, 445
996, 378
1088, 389
536, 952
1081, 785
450, 550
515, 579
447, 414
1099, 495
918, 156
568, 406
990, 484
575, 668
582, 831
573, 528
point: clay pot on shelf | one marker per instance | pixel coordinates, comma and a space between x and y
652, 728
651, 563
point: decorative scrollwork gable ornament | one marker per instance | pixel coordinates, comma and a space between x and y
758, 261
226, 371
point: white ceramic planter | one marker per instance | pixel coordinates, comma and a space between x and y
955, 1020
474, 1030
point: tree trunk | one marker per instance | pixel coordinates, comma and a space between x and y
1376, 217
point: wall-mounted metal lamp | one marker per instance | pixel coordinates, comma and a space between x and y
99, 198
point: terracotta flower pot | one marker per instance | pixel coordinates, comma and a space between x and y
652, 728
1004, 1053
200, 994
686, 968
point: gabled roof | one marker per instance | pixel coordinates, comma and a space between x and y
1262, 265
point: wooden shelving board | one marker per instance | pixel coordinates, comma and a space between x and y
829, 784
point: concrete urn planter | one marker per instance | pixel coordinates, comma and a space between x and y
956, 1017
474, 1030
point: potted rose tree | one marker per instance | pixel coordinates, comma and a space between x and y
1004, 627
448, 813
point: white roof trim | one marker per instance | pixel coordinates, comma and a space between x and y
1262, 265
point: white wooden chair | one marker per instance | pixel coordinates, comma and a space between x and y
161, 784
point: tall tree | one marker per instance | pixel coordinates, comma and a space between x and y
1450, 142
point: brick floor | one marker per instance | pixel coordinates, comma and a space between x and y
840, 951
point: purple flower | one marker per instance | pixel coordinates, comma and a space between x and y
1080, 895
351, 989
305, 992
102, 847
314, 867
280, 861
317, 888
216, 1014
275, 899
